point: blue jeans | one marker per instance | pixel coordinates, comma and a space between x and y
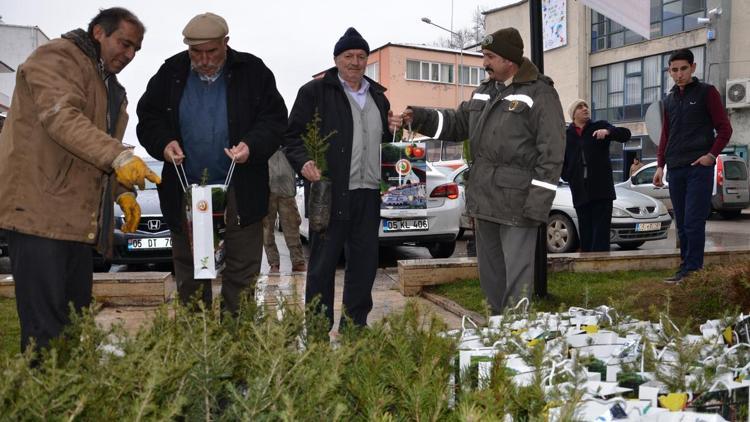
690, 190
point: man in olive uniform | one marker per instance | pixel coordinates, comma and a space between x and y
516, 129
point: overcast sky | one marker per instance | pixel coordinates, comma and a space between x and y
294, 38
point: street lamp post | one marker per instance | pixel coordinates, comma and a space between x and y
459, 83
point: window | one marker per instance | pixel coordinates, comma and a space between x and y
735, 170
429, 71
470, 75
373, 71
667, 17
645, 176
633, 90
599, 91
623, 91
453, 151
444, 150
412, 70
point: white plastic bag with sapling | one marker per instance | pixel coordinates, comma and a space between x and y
206, 223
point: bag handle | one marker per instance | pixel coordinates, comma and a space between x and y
180, 175
230, 172
409, 137
180, 169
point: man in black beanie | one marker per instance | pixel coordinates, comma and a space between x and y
515, 125
355, 107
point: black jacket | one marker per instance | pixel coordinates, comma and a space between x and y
328, 97
691, 131
598, 183
257, 116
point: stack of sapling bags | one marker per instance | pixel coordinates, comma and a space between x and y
614, 367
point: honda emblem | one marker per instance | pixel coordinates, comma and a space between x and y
154, 224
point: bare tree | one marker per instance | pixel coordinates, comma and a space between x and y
477, 25
469, 35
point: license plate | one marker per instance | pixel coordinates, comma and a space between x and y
405, 225
150, 243
647, 227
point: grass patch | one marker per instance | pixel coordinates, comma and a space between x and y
10, 331
641, 294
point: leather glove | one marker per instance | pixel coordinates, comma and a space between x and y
132, 212
132, 171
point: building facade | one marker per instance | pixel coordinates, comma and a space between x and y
621, 73
424, 76
16, 43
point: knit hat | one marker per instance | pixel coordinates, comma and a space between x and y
204, 28
351, 40
507, 43
574, 105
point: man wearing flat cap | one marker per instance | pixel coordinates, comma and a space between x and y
515, 126
356, 108
203, 108
588, 170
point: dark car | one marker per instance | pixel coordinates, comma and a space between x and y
151, 243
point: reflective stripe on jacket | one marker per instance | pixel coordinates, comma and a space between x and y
517, 140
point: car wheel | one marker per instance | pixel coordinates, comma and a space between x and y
561, 234
730, 214
441, 249
631, 245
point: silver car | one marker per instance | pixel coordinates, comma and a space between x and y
636, 218
437, 231
731, 192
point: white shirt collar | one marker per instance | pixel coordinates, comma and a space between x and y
363, 87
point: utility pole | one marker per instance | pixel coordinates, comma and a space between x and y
537, 57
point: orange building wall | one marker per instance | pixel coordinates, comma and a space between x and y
402, 92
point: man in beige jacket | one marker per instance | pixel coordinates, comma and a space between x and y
62, 163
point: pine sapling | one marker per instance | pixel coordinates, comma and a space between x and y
317, 145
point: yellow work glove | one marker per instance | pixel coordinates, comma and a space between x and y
132, 171
132, 212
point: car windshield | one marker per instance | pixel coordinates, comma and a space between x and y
156, 167
644, 176
444, 150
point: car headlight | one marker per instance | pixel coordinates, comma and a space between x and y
619, 213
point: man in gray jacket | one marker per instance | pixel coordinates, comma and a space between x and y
516, 130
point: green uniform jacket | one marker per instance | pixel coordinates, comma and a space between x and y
517, 140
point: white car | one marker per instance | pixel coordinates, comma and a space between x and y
636, 218
437, 231
731, 192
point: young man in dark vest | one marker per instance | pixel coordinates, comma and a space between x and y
688, 146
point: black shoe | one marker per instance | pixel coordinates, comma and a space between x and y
678, 277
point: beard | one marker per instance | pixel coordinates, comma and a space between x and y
207, 71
